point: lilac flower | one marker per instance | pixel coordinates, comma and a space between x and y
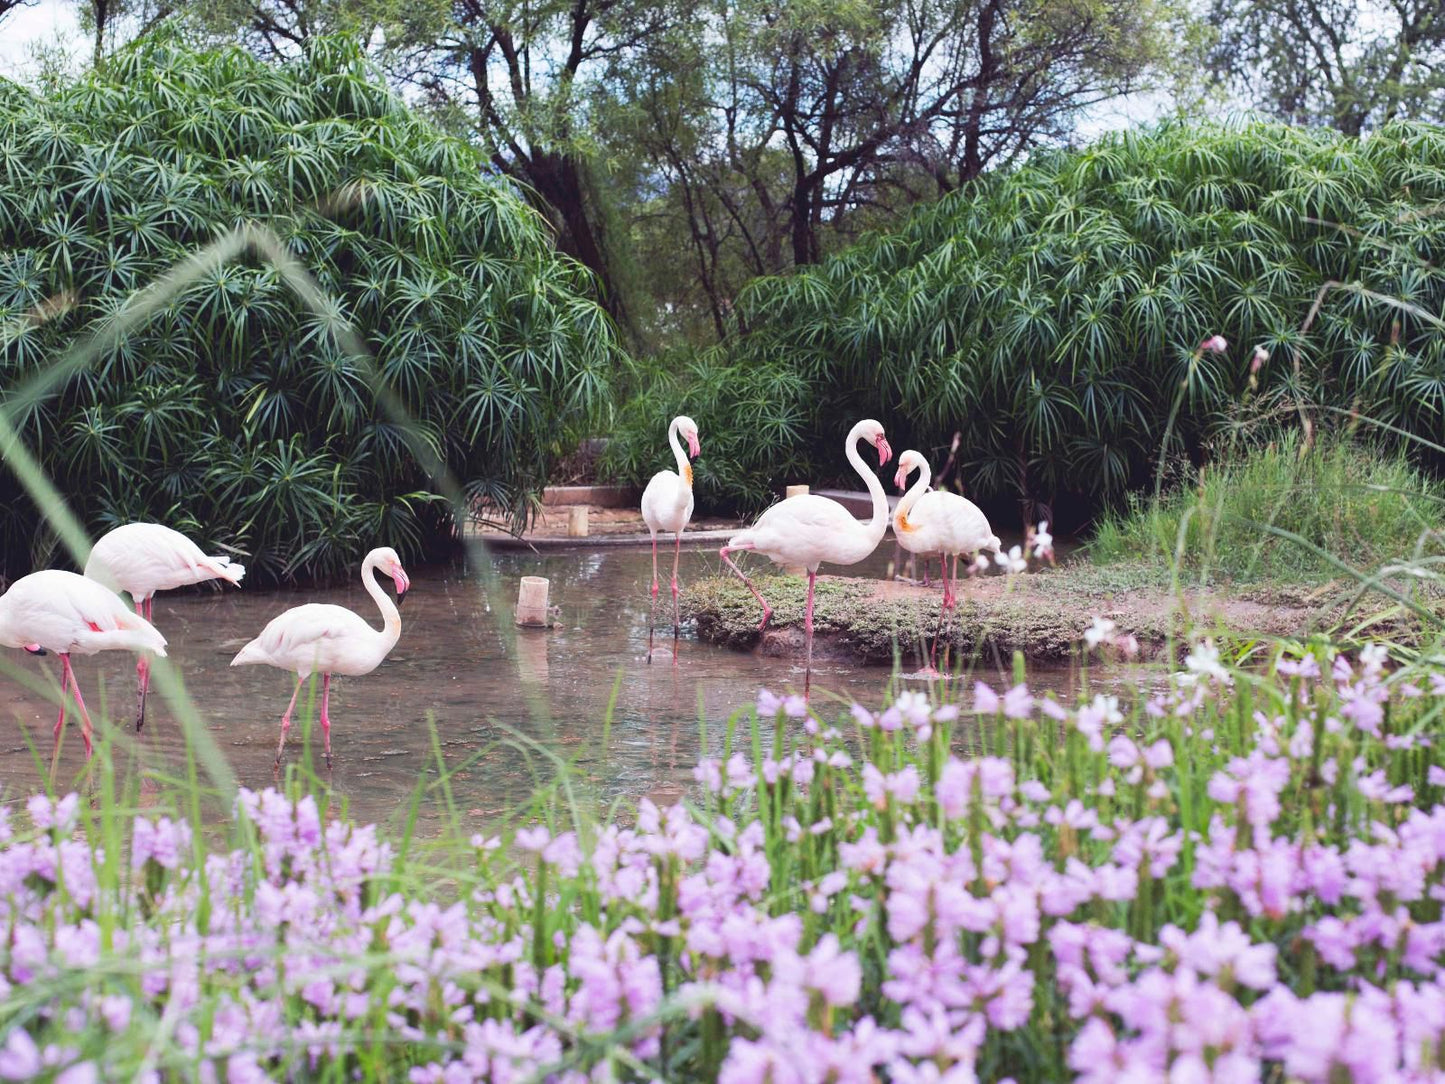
533, 839
985, 700
1018, 703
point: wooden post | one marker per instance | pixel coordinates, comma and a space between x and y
795, 491
532, 602
577, 521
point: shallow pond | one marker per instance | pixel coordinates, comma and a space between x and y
489, 689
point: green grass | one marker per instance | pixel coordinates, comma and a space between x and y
1231, 520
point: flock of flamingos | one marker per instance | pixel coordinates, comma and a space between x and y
60, 611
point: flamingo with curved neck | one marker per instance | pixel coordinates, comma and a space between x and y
667, 506
935, 521
809, 530
319, 638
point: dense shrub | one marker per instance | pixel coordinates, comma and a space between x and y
1050, 315
236, 411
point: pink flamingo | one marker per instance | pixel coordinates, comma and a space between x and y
69, 614
809, 530
667, 506
935, 521
319, 638
143, 558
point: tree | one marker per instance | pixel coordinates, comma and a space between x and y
1350, 64
783, 127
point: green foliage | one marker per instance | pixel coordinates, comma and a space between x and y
1364, 506
1051, 315
235, 412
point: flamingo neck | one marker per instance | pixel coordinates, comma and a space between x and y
390, 615
878, 522
909, 499
684, 468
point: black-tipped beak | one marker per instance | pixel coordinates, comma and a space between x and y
36, 649
400, 598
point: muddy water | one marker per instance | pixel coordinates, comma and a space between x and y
501, 700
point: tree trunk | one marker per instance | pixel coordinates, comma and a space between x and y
560, 181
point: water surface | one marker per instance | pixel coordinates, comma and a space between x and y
490, 690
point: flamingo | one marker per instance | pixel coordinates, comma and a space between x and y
935, 521
143, 558
809, 530
667, 506
69, 614
325, 639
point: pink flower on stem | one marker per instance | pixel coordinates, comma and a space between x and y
1215, 344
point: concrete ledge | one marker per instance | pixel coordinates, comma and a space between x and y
690, 539
594, 496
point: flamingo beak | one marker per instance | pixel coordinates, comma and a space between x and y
36, 649
403, 583
694, 449
885, 453
901, 478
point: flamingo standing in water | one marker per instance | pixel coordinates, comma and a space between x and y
935, 521
667, 506
319, 638
809, 530
69, 614
143, 558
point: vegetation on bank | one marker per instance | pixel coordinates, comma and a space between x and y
1284, 514
237, 411
1236, 877
1051, 316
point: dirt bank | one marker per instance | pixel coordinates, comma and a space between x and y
1042, 614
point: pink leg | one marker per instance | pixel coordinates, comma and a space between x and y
652, 605
60, 720
676, 604
286, 720
326, 715
85, 727
808, 634
767, 610
143, 671
942, 609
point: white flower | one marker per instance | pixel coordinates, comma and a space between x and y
980, 563
1215, 343
1100, 632
1013, 561
1203, 661
1043, 541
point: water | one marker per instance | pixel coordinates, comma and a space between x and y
501, 699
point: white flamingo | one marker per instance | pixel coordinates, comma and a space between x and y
809, 530
319, 638
932, 521
667, 506
143, 558
69, 614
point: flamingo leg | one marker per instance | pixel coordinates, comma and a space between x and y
286, 720
676, 604
142, 671
942, 609
767, 610
60, 720
808, 633
85, 727
326, 715
652, 605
